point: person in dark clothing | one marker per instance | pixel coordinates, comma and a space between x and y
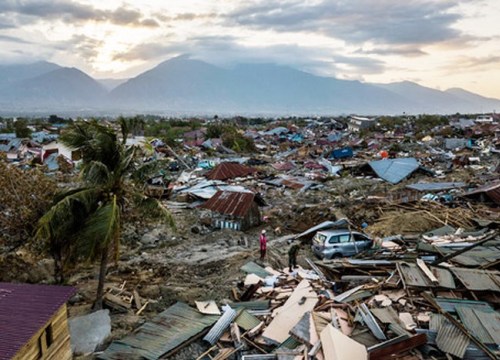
292, 256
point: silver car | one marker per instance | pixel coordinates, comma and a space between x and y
330, 244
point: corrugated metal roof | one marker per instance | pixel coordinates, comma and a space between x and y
230, 203
440, 186
246, 321
164, 333
221, 325
229, 170
479, 280
394, 170
451, 340
25, 309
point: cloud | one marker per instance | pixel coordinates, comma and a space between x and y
147, 51
14, 39
407, 51
228, 50
381, 21
69, 11
476, 63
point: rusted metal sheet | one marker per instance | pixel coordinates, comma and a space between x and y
478, 280
235, 204
25, 309
173, 327
229, 170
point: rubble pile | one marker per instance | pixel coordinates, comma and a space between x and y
425, 199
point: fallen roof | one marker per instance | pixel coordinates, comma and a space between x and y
394, 170
156, 338
491, 190
229, 170
25, 309
230, 203
439, 186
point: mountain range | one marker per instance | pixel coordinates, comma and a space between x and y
185, 86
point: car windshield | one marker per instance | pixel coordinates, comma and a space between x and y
319, 238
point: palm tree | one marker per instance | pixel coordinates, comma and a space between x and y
85, 222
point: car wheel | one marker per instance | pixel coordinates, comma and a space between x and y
336, 256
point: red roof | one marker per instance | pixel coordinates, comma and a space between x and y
25, 309
229, 170
230, 203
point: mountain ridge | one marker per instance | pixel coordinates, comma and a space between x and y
185, 85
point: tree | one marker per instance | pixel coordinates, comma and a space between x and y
85, 222
21, 129
24, 196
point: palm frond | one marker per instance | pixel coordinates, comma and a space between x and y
63, 218
96, 173
101, 230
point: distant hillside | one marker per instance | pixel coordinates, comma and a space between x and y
182, 85
10, 74
110, 84
61, 88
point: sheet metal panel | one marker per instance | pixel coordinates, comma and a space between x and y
440, 186
246, 321
229, 170
449, 305
168, 330
451, 340
220, 326
394, 170
478, 280
413, 276
473, 321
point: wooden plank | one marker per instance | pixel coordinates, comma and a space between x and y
382, 352
421, 264
137, 299
302, 300
337, 346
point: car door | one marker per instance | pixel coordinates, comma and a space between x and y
331, 247
346, 245
361, 242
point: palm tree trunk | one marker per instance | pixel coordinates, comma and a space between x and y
102, 276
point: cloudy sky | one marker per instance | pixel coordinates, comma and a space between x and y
437, 43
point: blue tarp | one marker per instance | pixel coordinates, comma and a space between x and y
342, 153
394, 170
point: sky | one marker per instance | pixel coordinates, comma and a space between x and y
436, 43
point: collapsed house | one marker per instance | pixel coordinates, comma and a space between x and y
234, 210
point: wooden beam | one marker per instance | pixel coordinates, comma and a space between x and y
381, 352
421, 264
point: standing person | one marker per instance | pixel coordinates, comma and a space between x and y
263, 245
292, 256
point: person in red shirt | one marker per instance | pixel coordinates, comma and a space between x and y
263, 245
